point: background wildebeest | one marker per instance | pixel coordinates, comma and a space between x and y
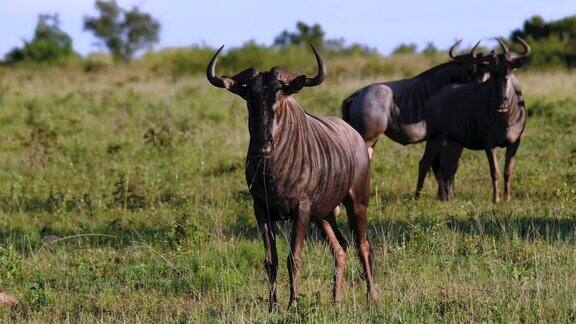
395, 108
301, 167
479, 117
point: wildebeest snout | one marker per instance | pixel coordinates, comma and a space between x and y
262, 149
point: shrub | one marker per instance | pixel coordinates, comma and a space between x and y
553, 42
405, 49
49, 43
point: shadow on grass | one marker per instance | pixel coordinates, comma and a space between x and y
384, 231
396, 232
525, 228
113, 234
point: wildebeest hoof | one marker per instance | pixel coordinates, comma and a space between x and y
337, 298
293, 303
373, 295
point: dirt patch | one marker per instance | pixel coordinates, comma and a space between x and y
7, 300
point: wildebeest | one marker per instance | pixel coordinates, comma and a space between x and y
301, 167
395, 108
478, 116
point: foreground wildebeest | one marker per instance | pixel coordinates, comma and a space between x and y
478, 116
301, 167
395, 108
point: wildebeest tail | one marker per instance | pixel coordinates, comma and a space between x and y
346, 107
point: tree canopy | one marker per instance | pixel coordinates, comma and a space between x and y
48, 44
553, 42
304, 34
123, 32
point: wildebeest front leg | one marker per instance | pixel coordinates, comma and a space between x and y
271, 260
356, 206
338, 246
430, 153
494, 173
299, 226
509, 168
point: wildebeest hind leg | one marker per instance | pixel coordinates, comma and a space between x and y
430, 154
448, 165
338, 246
494, 173
509, 168
356, 206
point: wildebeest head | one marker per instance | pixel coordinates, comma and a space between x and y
500, 66
462, 68
467, 63
263, 91
508, 61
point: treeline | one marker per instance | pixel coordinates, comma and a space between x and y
125, 32
347, 63
553, 42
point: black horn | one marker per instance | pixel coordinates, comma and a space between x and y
502, 45
211, 71
451, 52
474, 48
319, 78
527, 48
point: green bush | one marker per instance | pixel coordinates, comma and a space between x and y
553, 43
548, 52
299, 59
49, 43
405, 49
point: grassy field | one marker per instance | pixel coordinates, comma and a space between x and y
122, 197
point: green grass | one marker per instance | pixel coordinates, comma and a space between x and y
152, 167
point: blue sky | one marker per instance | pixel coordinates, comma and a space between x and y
380, 24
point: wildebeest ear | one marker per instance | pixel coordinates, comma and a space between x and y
519, 62
295, 85
233, 86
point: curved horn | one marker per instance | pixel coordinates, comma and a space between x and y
319, 78
502, 45
474, 48
527, 48
211, 71
451, 52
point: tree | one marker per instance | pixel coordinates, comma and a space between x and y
538, 29
553, 42
122, 32
48, 44
304, 34
535, 27
430, 49
405, 49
